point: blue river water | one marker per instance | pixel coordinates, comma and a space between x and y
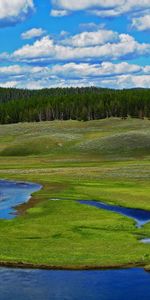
13, 194
131, 284
140, 216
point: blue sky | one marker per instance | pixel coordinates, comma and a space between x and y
49, 43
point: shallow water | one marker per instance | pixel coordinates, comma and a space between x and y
13, 194
132, 284
140, 216
146, 241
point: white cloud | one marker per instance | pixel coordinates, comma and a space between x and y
141, 81
33, 33
146, 69
104, 8
85, 4
119, 82
105, 69
72, 74
14, 11
40, 49
59, 13
130, 81
47, 50
9, 84
141, 23
18, 71
92, 38
10, 70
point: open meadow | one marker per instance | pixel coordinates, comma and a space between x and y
106, 160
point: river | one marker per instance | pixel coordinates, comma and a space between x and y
131, 284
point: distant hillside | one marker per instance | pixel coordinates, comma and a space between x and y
111, 138
92, 103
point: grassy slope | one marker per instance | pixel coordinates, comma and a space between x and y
106, 160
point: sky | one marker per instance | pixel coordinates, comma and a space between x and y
64, 43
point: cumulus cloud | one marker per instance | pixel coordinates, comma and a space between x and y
141, 23
105, 69
47, 50
85, 4
129, 81
72, 74
92, 38
14, 11
74, 70
103, 8
10, 70
17, 71
118, 82
33, 33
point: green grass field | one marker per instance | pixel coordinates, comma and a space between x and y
107, 160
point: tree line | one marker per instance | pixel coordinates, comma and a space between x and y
85, 104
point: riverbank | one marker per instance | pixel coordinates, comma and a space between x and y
24, 265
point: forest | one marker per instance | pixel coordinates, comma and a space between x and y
20, 105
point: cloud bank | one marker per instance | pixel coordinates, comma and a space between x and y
12, 12
103, 8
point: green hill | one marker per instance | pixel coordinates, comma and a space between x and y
105, 138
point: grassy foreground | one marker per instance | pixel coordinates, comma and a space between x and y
107, 160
